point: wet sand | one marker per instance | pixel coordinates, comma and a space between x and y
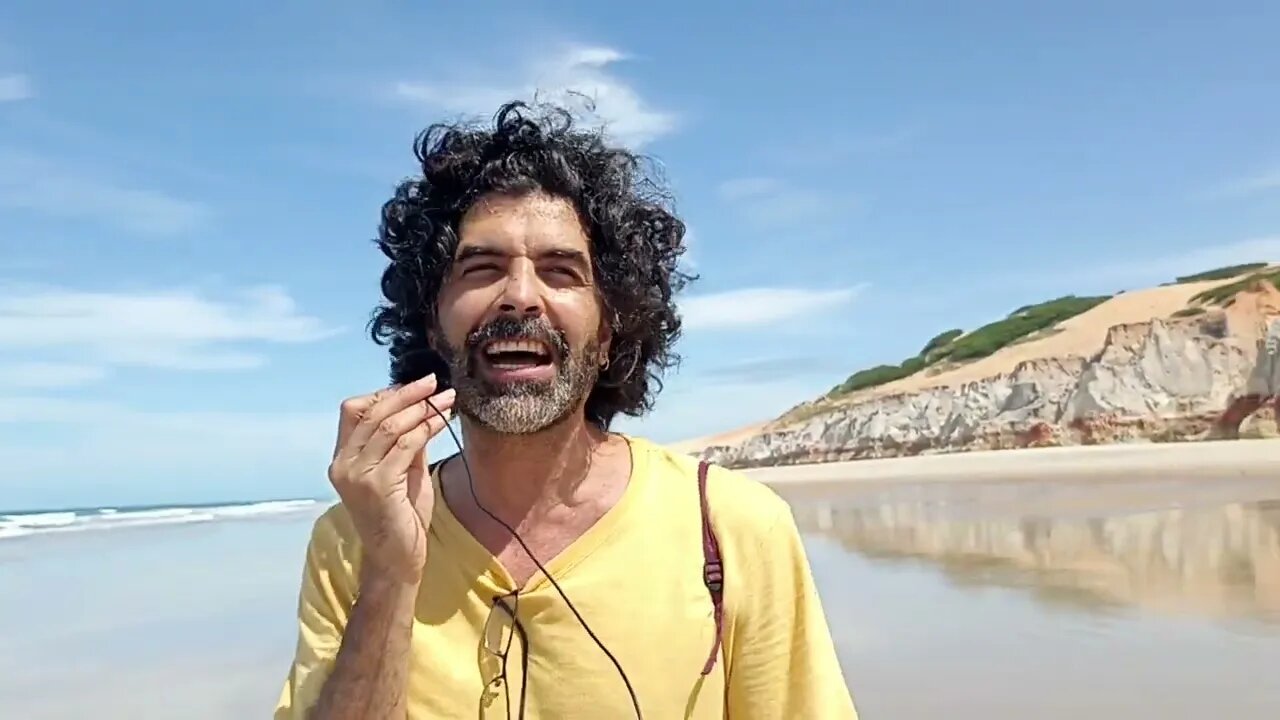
1190, 460
1107, 583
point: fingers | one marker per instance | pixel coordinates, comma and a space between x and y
408, 448
393, 428
363, 414
350, 413
353, 411
440, 410
440, 403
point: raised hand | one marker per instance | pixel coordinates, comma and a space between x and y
379, 469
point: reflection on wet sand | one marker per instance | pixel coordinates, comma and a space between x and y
1169, 547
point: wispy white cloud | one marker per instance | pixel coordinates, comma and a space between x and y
1101, 274
1209, 257
40, 184
1250, 185
886, 141
1165, 268
834, 148
175, 329
752, 370
24, 408
753, 307
48, 375
690, 257
770, 201
690, 407
15, 87
104, 452
84, 450
581, 78
20, 265
746, 188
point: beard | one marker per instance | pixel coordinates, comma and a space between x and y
527, 406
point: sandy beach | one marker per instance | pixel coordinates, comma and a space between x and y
1240, 459
1110, 582
1106, 582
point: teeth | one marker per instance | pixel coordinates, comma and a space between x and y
530, 346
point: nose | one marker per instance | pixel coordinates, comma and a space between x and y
522, 293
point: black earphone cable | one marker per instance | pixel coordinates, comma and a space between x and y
635, 702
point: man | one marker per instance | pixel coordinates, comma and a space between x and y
553, 568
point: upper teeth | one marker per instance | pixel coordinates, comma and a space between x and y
529, 346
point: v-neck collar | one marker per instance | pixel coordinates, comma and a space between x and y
474, 553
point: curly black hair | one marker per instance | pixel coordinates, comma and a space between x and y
636, 241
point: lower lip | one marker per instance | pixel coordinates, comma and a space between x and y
525, 373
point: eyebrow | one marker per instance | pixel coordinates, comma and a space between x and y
575, 256
475, 251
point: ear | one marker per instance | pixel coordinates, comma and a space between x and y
431, 320
604, 334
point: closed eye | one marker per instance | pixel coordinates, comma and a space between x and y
566, 274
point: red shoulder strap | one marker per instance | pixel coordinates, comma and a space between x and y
712, 567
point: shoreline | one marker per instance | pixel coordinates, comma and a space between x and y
1216, 460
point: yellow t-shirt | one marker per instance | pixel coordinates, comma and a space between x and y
636, 578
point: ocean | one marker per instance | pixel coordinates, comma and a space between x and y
17, 524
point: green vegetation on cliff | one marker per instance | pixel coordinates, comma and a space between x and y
1221, 273
1022, 322
940, 341
878, 375
956, 345
1224, 293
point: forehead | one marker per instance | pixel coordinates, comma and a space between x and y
525, 223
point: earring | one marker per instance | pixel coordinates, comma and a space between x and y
604, 365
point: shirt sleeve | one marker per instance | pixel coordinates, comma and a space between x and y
783, 662
324, 605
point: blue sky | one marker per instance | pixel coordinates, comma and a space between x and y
188, 195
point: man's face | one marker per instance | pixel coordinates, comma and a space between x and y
519, 314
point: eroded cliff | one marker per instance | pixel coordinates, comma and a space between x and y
1166, 379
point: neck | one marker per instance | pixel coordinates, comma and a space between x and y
514, 474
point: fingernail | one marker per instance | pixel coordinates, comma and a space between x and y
429, 378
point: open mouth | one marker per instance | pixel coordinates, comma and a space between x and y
511, 355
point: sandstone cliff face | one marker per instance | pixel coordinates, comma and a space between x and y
1162, 380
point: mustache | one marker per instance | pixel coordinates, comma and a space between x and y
529, 328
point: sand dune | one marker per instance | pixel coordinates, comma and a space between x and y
1081, 336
